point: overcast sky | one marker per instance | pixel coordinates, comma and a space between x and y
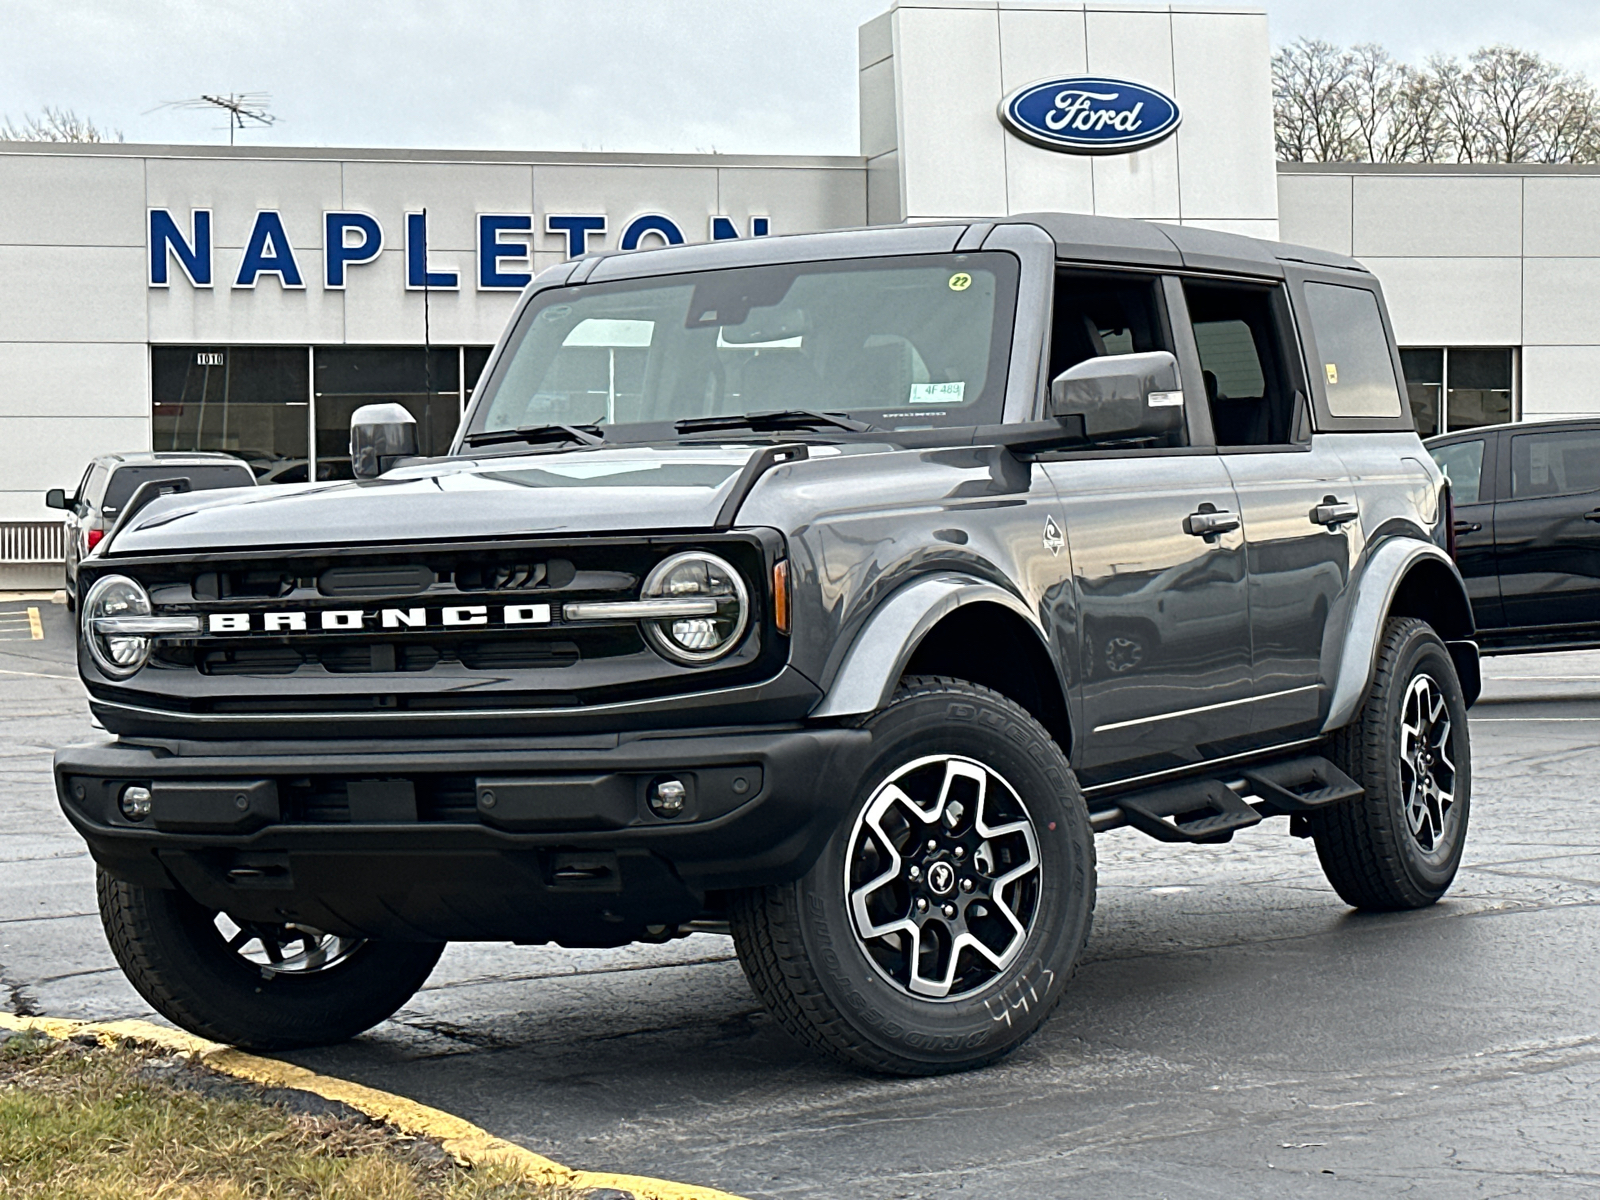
737, 76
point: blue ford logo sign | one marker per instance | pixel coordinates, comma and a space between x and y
1090, 114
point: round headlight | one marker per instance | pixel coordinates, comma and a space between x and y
117, 654
696, 576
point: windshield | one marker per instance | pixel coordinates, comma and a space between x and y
901, 343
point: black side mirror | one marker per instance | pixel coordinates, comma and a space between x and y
1121, 396
380, 435
56, 498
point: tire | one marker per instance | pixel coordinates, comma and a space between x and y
851, 996
1399, 845
177, 958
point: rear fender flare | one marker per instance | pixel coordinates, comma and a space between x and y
1386, 571
884, 645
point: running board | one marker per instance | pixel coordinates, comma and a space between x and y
1211, 809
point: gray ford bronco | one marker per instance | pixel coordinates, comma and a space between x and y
829, 590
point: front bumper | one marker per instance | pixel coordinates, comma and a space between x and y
527, 840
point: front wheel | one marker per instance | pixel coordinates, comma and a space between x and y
262, 987
1399, 845
945, 916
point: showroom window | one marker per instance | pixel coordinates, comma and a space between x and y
258, 402
1460, 387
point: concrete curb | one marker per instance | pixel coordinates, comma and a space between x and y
465, 1142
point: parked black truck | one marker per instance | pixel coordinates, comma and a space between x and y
830, 589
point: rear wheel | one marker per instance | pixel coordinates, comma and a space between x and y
1399, 845
260, 986
943, 919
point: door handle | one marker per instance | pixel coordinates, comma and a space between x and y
1209, 522
1592, 516
1333, 511
1474, 526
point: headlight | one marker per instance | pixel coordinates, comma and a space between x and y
697, 576
115, 596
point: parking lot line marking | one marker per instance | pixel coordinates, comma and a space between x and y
35, 625
32, 674
461, 1139
1507, 720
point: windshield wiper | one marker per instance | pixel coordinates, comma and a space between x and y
789, 418
534, 435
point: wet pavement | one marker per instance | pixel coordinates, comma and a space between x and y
1234, 1030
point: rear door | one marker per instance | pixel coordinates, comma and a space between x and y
1469, 464
1547, 528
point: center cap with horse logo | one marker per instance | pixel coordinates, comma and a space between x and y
942, 878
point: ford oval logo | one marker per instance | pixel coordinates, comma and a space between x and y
1090, 114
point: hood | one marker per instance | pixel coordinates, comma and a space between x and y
577, 492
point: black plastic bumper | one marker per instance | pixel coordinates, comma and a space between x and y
483, 839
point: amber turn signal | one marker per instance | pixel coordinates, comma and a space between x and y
780, 595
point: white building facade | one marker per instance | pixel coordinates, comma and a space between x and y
247, 300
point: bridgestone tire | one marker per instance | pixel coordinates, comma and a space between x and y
172, 952
1366, 845
798, 942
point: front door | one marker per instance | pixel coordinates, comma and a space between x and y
1547, 529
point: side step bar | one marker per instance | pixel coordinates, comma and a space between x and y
1210, 809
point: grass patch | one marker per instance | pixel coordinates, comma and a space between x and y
123, 1123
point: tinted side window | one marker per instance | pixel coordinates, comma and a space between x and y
1555, 464
201, 478
1239, 332
94, 490
1462, 464
1357, 369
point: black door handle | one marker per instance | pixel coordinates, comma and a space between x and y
1592, 516
1473, 526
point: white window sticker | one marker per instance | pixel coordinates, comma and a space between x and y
936, 393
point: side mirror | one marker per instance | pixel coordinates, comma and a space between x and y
1121, 396
56, 498
380, 434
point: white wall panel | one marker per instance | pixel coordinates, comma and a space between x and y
79, 379
875, 40
72, 294
1225, 147
1136, 46
235, 189
795, 199
952, 148
1561, 215
268, 314
687, 195
67, 200
1452, 301
1035, 45
1561, 301
876, 97
1560, 381
47, 452
885, 200
453, 194
1457, 215
1315, 210
379, 311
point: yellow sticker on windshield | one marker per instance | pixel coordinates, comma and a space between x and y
960, 281
1332, 370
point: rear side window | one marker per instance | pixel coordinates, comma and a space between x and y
1555, 464
201, 478
95, 487
1462, 464
1353, 349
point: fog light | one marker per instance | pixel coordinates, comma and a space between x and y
667, 797
135, 802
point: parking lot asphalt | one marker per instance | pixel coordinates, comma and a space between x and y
1234, 1030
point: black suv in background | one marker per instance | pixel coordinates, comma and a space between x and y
110, 481
1527, 530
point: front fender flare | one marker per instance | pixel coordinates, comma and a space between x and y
1386, 569
877, 657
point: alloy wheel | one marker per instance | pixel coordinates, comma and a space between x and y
943, 877
1427, 765
288, 949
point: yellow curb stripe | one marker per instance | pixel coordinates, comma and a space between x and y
35, 626
464, 1141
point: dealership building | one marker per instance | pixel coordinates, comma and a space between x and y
248, 299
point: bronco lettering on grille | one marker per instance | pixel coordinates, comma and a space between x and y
353, 620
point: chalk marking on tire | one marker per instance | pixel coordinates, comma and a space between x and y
462, 1140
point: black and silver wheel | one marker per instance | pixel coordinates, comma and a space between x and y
260, 986
1400, 844
942, 921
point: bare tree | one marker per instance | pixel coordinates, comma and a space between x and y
56, 125
1362, 105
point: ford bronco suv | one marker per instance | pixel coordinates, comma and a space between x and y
831, 590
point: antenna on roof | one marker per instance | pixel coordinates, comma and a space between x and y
243, 108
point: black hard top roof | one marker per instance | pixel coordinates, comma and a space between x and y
1548, 425
1156, 244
